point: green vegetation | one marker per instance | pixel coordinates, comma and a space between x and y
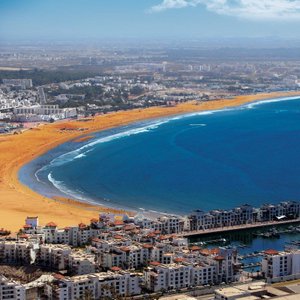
90, 92
137, 90
40, 77
21, 273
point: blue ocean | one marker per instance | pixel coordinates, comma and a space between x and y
218, 159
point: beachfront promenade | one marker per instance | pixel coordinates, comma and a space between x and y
238, 227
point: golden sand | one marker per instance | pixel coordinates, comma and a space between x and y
18, 201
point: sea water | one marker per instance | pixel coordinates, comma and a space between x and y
207, 160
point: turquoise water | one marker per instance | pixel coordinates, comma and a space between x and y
211, 160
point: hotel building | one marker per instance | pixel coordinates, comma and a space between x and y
279, 266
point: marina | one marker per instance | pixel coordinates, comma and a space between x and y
252, 243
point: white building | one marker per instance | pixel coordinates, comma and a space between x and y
245, 214
165, 224
11, 290
159, 277
17, 252
81, 263
55, 257
167, 277
255, 291
24, 83
73, 235
126, 257
43, 112
32, 221
97, 286
279, 266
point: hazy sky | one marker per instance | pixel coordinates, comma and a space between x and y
76, 19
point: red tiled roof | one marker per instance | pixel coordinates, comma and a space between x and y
271, 252
58, 276
151, 234
195, 248
214, 251
51, 224
27, 226
179, 259
155, 263
147, 246
125, 249
118, 222
23, 236
118, 237
96, 240
128, 227
204, 252
207, 252
219, 257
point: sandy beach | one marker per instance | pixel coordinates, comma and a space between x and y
18, 201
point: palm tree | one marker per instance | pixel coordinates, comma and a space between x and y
113, 293
88, 295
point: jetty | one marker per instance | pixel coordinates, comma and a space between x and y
294, 243
251, 255
238, 227
251, 265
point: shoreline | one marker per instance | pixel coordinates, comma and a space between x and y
19, 201
52, 189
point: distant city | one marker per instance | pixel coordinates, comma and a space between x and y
47, 83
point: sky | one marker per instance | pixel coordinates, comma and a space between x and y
148, 19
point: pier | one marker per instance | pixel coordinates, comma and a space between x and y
238, 227
251, 265
294, 243
250, 255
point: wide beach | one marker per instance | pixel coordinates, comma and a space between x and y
18, 201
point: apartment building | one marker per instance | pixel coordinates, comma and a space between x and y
80, 263
245, 214
39, 111
183, 274
202, 266
17, 252
97, 286
54, 257
22, 83
287, 209
165, 277
164, 224
73, 235
203, 273
126, 257
11, 290
278, 266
